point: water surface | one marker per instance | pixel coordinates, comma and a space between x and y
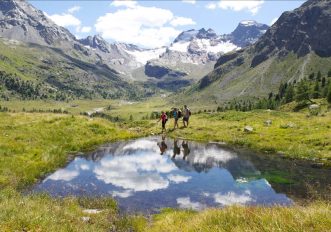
148, 174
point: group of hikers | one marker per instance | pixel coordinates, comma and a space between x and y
176, 114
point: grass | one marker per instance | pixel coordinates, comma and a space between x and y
32, 145
314, 217
305, 138
35, 144
42, 213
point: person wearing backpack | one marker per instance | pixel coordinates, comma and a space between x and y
186, 115
164, 119
175, 114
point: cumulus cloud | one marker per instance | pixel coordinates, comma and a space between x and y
64, 20
182, 21
231, 198
63, 174
178, 178
148, 26
67, 19
211, 6
190, 1
138, 172
124, 3
251, 6
186, 203
85, 29
73, 9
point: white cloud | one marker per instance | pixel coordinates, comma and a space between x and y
211, 6
182, 21
124, 3
73, 9
85, 29
147, 26
64, 20
178, 178
251, 6
190, 1
231, 198
67, 19
186, 203
273, 21
136, 172
63, 174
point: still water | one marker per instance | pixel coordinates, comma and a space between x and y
148, 174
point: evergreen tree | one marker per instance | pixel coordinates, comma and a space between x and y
302, 92
329, 94
311, 76
319, 76
323, 82
316, 93
289, 95
329, 73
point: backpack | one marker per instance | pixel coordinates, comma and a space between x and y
179, 114
189, 112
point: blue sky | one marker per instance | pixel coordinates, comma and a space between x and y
157, 23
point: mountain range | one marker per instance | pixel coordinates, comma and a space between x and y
295, 46
251, 61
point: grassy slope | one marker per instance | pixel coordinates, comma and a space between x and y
243, 81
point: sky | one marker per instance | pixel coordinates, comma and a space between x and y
156, 23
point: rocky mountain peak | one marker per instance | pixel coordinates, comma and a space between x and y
248, 32
300, 31
19, 20
96, 42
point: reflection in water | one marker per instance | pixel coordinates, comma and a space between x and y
162, 145
186, 175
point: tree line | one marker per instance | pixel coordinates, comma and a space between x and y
304, 91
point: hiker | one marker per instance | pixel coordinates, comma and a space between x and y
186, 115
176, 149
164, 119
162, 145
186, 149
175, 114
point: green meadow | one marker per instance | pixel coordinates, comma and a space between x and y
34, 144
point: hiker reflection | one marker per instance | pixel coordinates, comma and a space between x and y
162, 145
176, 149
186, 149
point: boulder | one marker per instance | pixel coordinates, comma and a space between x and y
268, 123
248, 129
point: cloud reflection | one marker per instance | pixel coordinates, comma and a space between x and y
186, 203
231, 198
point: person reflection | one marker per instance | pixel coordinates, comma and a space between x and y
176, 149
162, 145
186, 149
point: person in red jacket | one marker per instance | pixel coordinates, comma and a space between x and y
164, 119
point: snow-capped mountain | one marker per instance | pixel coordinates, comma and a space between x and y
202, 47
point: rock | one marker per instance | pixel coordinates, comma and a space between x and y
314, 106
268, 123
288, 125
85, 219
92, 211
248, 129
